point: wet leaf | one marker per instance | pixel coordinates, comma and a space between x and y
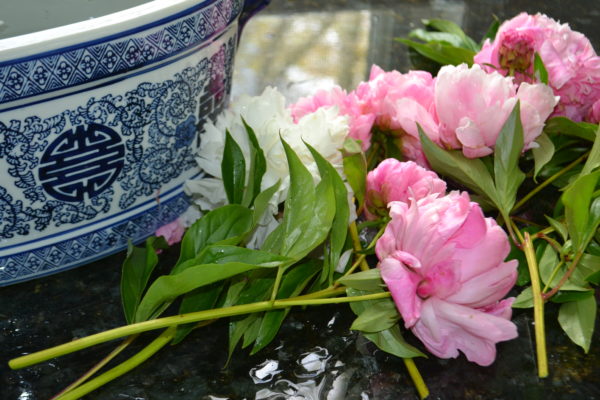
542, 154
233, 170
136, 271
524, 299
258, 167
339, 225
446, 26
470, 172
369, 280
391, 341
168, 287
507, 175
582, 221
539, 69
577, 320
381, 316
292, 285
227, 224
565, 126
441, 52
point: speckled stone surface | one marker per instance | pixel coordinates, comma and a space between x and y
325, 43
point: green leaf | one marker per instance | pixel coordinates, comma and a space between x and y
380, 316
441, 52
588, 267
569, 296
292, 285
355, 169
308, 213
339, 225
136, 271
524, 299
233, 170
261, 203
577, 197
227, 224
565, 126
593, 160
258, 167
539, 69
547, 264
491, 32
166, 288
392, 342
577, 320
450, 27
542, 154
203, 298
470, 172
237, 330
427, 36
259, 290
369, 280
559, 227
507, 175
251, 332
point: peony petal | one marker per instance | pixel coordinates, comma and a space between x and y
445, 328
402, 284
488, 287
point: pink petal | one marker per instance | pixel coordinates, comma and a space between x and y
402, 284
445, 328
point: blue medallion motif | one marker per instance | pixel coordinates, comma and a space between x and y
86, 160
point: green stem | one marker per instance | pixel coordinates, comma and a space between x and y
416, 377
548, 181
79, 344
96, 367
357, 246
538, 307
122, 368
277, 283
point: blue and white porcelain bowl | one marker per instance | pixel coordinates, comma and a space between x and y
99, 124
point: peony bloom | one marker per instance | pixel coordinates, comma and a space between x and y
323, 129
398, 102
472, 106
390, 102
393, 180
360, 124
443, 263
572, 64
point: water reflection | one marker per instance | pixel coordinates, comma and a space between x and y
321, 49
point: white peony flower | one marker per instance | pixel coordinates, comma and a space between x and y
268, 116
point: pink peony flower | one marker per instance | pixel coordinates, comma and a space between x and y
348, 104
398, 102
472, 106
572, 64
172, 232
443, 263
393, 180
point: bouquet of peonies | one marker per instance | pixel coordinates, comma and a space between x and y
420, 199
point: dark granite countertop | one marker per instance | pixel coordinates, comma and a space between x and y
294, 45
